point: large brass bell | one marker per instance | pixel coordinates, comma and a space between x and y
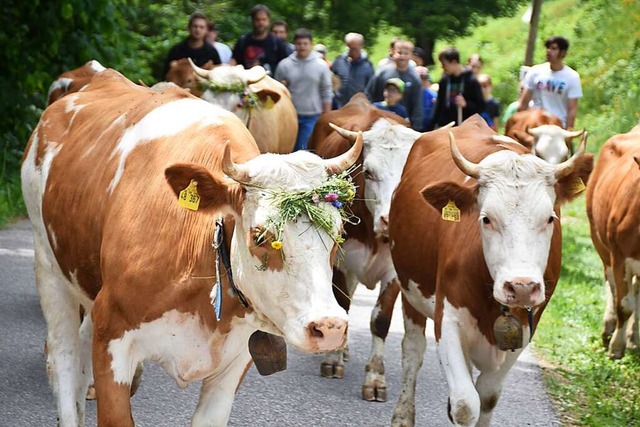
269, 352
508, 332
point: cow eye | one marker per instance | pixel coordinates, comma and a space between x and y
550, 220
486, 220
368, 175
258, 235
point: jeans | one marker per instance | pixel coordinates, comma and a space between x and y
305, 128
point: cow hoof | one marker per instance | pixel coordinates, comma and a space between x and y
91, 393
329, 370
345, 354
374, 394
606, 339
616, 354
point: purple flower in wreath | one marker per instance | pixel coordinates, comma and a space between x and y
331, 197
338, 204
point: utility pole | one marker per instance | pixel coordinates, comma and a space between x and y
533, 31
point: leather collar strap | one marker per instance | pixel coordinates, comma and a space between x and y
222, 254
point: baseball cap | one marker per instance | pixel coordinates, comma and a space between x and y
395, 81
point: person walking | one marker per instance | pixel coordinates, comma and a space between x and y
212, 38
429, 96
194, 46
412, 97
553, 86
459, 93
308, 79
354, 69
260, 46
492, 109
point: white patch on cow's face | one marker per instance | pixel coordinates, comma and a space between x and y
515, 200
227, 100
301, 293
225, 76
385, 151
168, 119
549, 144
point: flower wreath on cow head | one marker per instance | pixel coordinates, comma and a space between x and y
240, 82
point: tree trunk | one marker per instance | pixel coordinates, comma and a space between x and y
427, 44
533, 31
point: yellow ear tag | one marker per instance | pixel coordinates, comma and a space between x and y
268, 104
189, 197
577, 186
451, 212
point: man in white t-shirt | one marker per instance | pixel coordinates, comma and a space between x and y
553, 85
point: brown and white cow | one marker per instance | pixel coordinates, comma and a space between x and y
367, 259
542, 133
505, 251
613, 207
100, 178
73, 81
181, 73
262, 103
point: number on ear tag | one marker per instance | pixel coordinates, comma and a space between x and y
577, 186
189, 197
451, 212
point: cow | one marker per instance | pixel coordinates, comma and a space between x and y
367, 259
262, 103
126, 188
613, 208
542, 133
498, 251
73, 81
181, 73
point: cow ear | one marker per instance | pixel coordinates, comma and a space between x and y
524, 138
438, 195
572, 185
214, 194
264, 93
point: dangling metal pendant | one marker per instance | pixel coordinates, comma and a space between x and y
508, 332
269, 352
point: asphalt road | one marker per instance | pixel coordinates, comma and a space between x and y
296, 397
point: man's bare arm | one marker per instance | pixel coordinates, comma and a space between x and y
525, 97
572, 110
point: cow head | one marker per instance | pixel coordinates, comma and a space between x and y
386, 148
516, 197
284, 271
550, 142
181, 73
234, 88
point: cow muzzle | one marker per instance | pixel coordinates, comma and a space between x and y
327, 334
520, 292
381, 227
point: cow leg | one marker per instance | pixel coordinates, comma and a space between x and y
218, 392
60, 310
344, 286
489, 387
414, 344
624, 305
86, 365
633, 339
375, 383
609, 319
464, 401
113, 372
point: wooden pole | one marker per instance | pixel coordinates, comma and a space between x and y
533, 31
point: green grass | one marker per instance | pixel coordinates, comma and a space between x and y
11, 203
587, 387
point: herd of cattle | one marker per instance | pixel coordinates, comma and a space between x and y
462, 222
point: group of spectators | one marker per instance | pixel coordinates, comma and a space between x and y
400, 84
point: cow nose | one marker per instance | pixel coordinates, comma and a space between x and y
328, 334
383, 225
523, 292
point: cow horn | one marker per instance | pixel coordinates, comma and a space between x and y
199, 71
469, 168
448, 125
255, 74
532, 132
565, 168
348, 134
346, 160
235, 171
574, 134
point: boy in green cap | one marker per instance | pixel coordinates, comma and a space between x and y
393, 91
